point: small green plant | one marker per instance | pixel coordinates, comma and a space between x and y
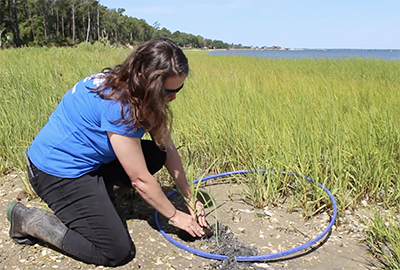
383, 237
262, 188
257, 190
197, 194
230, 193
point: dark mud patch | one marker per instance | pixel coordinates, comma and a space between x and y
225, 243
220, 240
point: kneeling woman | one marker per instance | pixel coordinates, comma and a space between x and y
93, 141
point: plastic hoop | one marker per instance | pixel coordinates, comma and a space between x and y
257, 257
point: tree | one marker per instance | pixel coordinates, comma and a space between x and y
47, 22
44, 15
2, 24
73, 10
1, 33
218, 44
98, 21
12, 9
164, 33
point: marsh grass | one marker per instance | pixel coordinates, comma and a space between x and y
32, 82
383, 239
336, 121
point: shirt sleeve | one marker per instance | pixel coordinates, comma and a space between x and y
111, 111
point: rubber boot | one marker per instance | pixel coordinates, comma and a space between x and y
28, 225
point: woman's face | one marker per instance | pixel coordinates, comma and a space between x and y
172, 85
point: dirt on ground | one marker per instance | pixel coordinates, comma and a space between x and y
242, 231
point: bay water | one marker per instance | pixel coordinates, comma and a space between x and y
320, 53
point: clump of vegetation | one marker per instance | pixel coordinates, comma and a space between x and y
383, 237
199, 195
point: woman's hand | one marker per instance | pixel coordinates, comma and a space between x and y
188, 223
199, 214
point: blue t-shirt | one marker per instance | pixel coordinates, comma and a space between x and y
74, 141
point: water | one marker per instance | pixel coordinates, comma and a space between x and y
330, 53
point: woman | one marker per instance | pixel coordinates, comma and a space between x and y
93, 141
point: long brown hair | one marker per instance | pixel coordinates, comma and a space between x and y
138, 84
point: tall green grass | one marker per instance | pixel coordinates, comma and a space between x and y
32, 82
336, 121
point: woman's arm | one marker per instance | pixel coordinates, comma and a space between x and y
129, 153
174, 166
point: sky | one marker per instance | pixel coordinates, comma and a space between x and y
347, 24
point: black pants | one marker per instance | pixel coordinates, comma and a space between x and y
96, 233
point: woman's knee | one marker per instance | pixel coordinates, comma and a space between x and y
120, 255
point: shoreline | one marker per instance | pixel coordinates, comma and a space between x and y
290, 49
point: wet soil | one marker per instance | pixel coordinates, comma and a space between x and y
242, 231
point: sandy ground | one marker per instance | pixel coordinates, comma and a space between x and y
268, 230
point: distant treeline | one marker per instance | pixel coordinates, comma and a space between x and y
69, 22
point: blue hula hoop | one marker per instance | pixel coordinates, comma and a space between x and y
258, 257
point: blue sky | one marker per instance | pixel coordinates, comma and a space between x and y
362, 24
